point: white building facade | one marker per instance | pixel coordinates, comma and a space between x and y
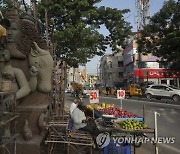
111, 70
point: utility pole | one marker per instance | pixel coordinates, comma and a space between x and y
143, 14
98, 71
62, 88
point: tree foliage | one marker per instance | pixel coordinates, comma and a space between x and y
76, 25
4, 5
162, 36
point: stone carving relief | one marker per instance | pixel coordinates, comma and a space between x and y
28, 66
27, 131
42, 60
42, 122
20, 39
14, 35
19, 82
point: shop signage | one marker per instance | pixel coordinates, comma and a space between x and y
155, 73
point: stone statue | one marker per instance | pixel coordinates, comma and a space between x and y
30, 72
42, 60
13, 36
42, 122
27, 131
4, 55
20, 84
8, 72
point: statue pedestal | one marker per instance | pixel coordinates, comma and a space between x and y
31, 114
29, 147
31, 108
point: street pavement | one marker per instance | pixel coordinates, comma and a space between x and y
168, 121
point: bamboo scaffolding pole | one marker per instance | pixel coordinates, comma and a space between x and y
67, 142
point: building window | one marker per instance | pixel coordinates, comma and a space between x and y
120, 75
110, 64
163, 81
120, 64
110, 76
161, 65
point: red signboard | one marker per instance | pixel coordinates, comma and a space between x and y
155, 73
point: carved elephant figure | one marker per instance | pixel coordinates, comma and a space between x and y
43, 61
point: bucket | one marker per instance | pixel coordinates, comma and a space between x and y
6, 86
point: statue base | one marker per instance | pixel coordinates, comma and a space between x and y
30, 109
29, 147
31, 112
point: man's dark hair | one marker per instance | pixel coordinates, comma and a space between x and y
5, 22
81, 105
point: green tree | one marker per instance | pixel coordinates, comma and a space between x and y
4, 5
76, 25
162, 36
